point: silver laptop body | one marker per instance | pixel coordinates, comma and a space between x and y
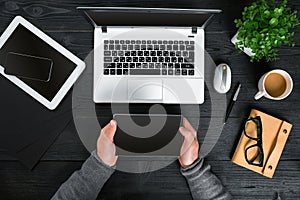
148, 55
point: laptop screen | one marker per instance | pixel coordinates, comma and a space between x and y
149, 16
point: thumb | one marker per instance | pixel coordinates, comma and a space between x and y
110, 129
184, 132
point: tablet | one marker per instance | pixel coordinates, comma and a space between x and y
148, 135
37, 64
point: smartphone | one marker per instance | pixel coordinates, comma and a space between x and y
28, 66
148, 135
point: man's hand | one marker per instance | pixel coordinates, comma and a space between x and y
106, 149
189, 151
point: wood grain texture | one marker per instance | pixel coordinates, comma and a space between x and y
61, 21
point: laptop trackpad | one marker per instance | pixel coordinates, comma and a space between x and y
143, 89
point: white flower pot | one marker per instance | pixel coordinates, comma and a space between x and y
247, 51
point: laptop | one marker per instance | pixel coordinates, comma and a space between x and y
148, 55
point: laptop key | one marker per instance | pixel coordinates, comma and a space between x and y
117, 42
125, 65
111, 47
187, 66
118, 47
122, 59
133, 53
184, 72
107, 53
141, 59
130, 47
159, 53
106, 71
106, 41
164, 72
170, 72
189, 47
154, 59
128, 59
191, 72
138, 65
107, 59
135, 59
144, 71
112, 71
182, 47
145, 65
119, 65
120, 53
116, 59
132, 65
111, 41
127, 42
177, 72
157, 65
146, 53
124, 47
137, 47
151, 65
148, 59
125, 71
140, 53
119, 71
143, 41
114, 53
127, 53
175, 47
177, 65
106, 47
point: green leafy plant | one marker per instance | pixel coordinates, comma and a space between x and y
266, 25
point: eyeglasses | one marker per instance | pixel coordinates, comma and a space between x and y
254, 154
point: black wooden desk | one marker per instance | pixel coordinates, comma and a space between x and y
61, 21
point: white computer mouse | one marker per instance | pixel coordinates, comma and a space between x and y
222, 78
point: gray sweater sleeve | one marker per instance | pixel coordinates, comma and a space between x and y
87, 182
203, 183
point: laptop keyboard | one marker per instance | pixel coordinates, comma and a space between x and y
149, 57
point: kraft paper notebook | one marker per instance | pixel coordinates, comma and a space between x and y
275, 133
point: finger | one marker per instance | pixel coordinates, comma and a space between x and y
188, 139
110, 129
188, 126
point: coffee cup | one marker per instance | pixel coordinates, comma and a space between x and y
276, 85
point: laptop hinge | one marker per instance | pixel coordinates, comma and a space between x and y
104, 29
194, 30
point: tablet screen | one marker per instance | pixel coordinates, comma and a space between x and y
24, 42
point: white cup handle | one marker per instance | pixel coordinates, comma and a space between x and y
259, 95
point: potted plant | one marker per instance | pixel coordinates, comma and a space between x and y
265, 26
